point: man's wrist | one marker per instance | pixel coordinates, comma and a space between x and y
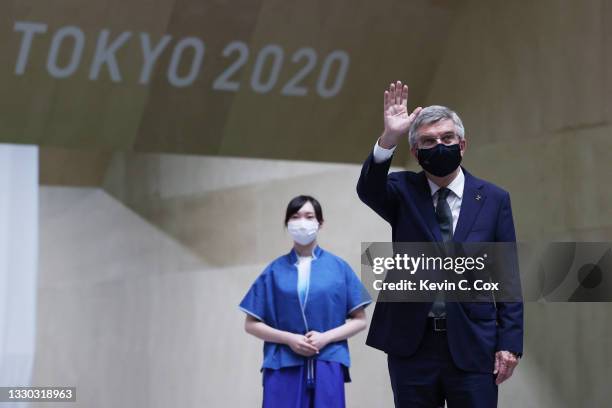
382, 154
387, 141
514, 353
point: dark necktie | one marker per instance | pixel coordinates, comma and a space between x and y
444, 215
445, 221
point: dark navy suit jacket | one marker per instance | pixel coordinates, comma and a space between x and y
475, 331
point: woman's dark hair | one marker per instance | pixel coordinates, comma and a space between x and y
298, 202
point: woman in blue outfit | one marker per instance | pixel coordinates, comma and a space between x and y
305, 305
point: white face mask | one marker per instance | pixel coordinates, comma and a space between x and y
303, 231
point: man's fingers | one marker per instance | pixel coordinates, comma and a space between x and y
405, 96
502, 374
510, 372
496, 369
398, 89
501, 378
416, 112
398, 93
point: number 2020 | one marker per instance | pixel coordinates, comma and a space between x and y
263, 82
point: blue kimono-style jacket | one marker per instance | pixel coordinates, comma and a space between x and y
333, 293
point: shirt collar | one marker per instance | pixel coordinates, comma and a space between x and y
456, 186
293, 256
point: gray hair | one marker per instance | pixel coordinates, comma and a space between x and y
433, 114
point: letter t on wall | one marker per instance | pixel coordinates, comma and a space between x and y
29, 29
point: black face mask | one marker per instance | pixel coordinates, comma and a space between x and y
440, 160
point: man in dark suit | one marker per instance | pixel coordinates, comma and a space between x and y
439, 351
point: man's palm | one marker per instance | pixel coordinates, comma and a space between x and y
397, 119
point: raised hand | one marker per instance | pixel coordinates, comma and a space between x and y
396, 117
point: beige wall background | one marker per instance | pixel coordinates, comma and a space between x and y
140, 281
144, 257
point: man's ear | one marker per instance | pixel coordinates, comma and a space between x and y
414, 152
463, 146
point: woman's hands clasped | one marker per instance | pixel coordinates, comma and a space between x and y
300, 344
308, 344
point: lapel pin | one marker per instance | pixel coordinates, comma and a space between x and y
478, 197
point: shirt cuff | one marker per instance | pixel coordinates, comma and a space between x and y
381, 154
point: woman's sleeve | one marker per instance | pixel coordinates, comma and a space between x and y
357, 295
257, 299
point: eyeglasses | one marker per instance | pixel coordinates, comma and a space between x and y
427, 141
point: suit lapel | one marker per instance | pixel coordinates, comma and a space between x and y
424, 204
473, 199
